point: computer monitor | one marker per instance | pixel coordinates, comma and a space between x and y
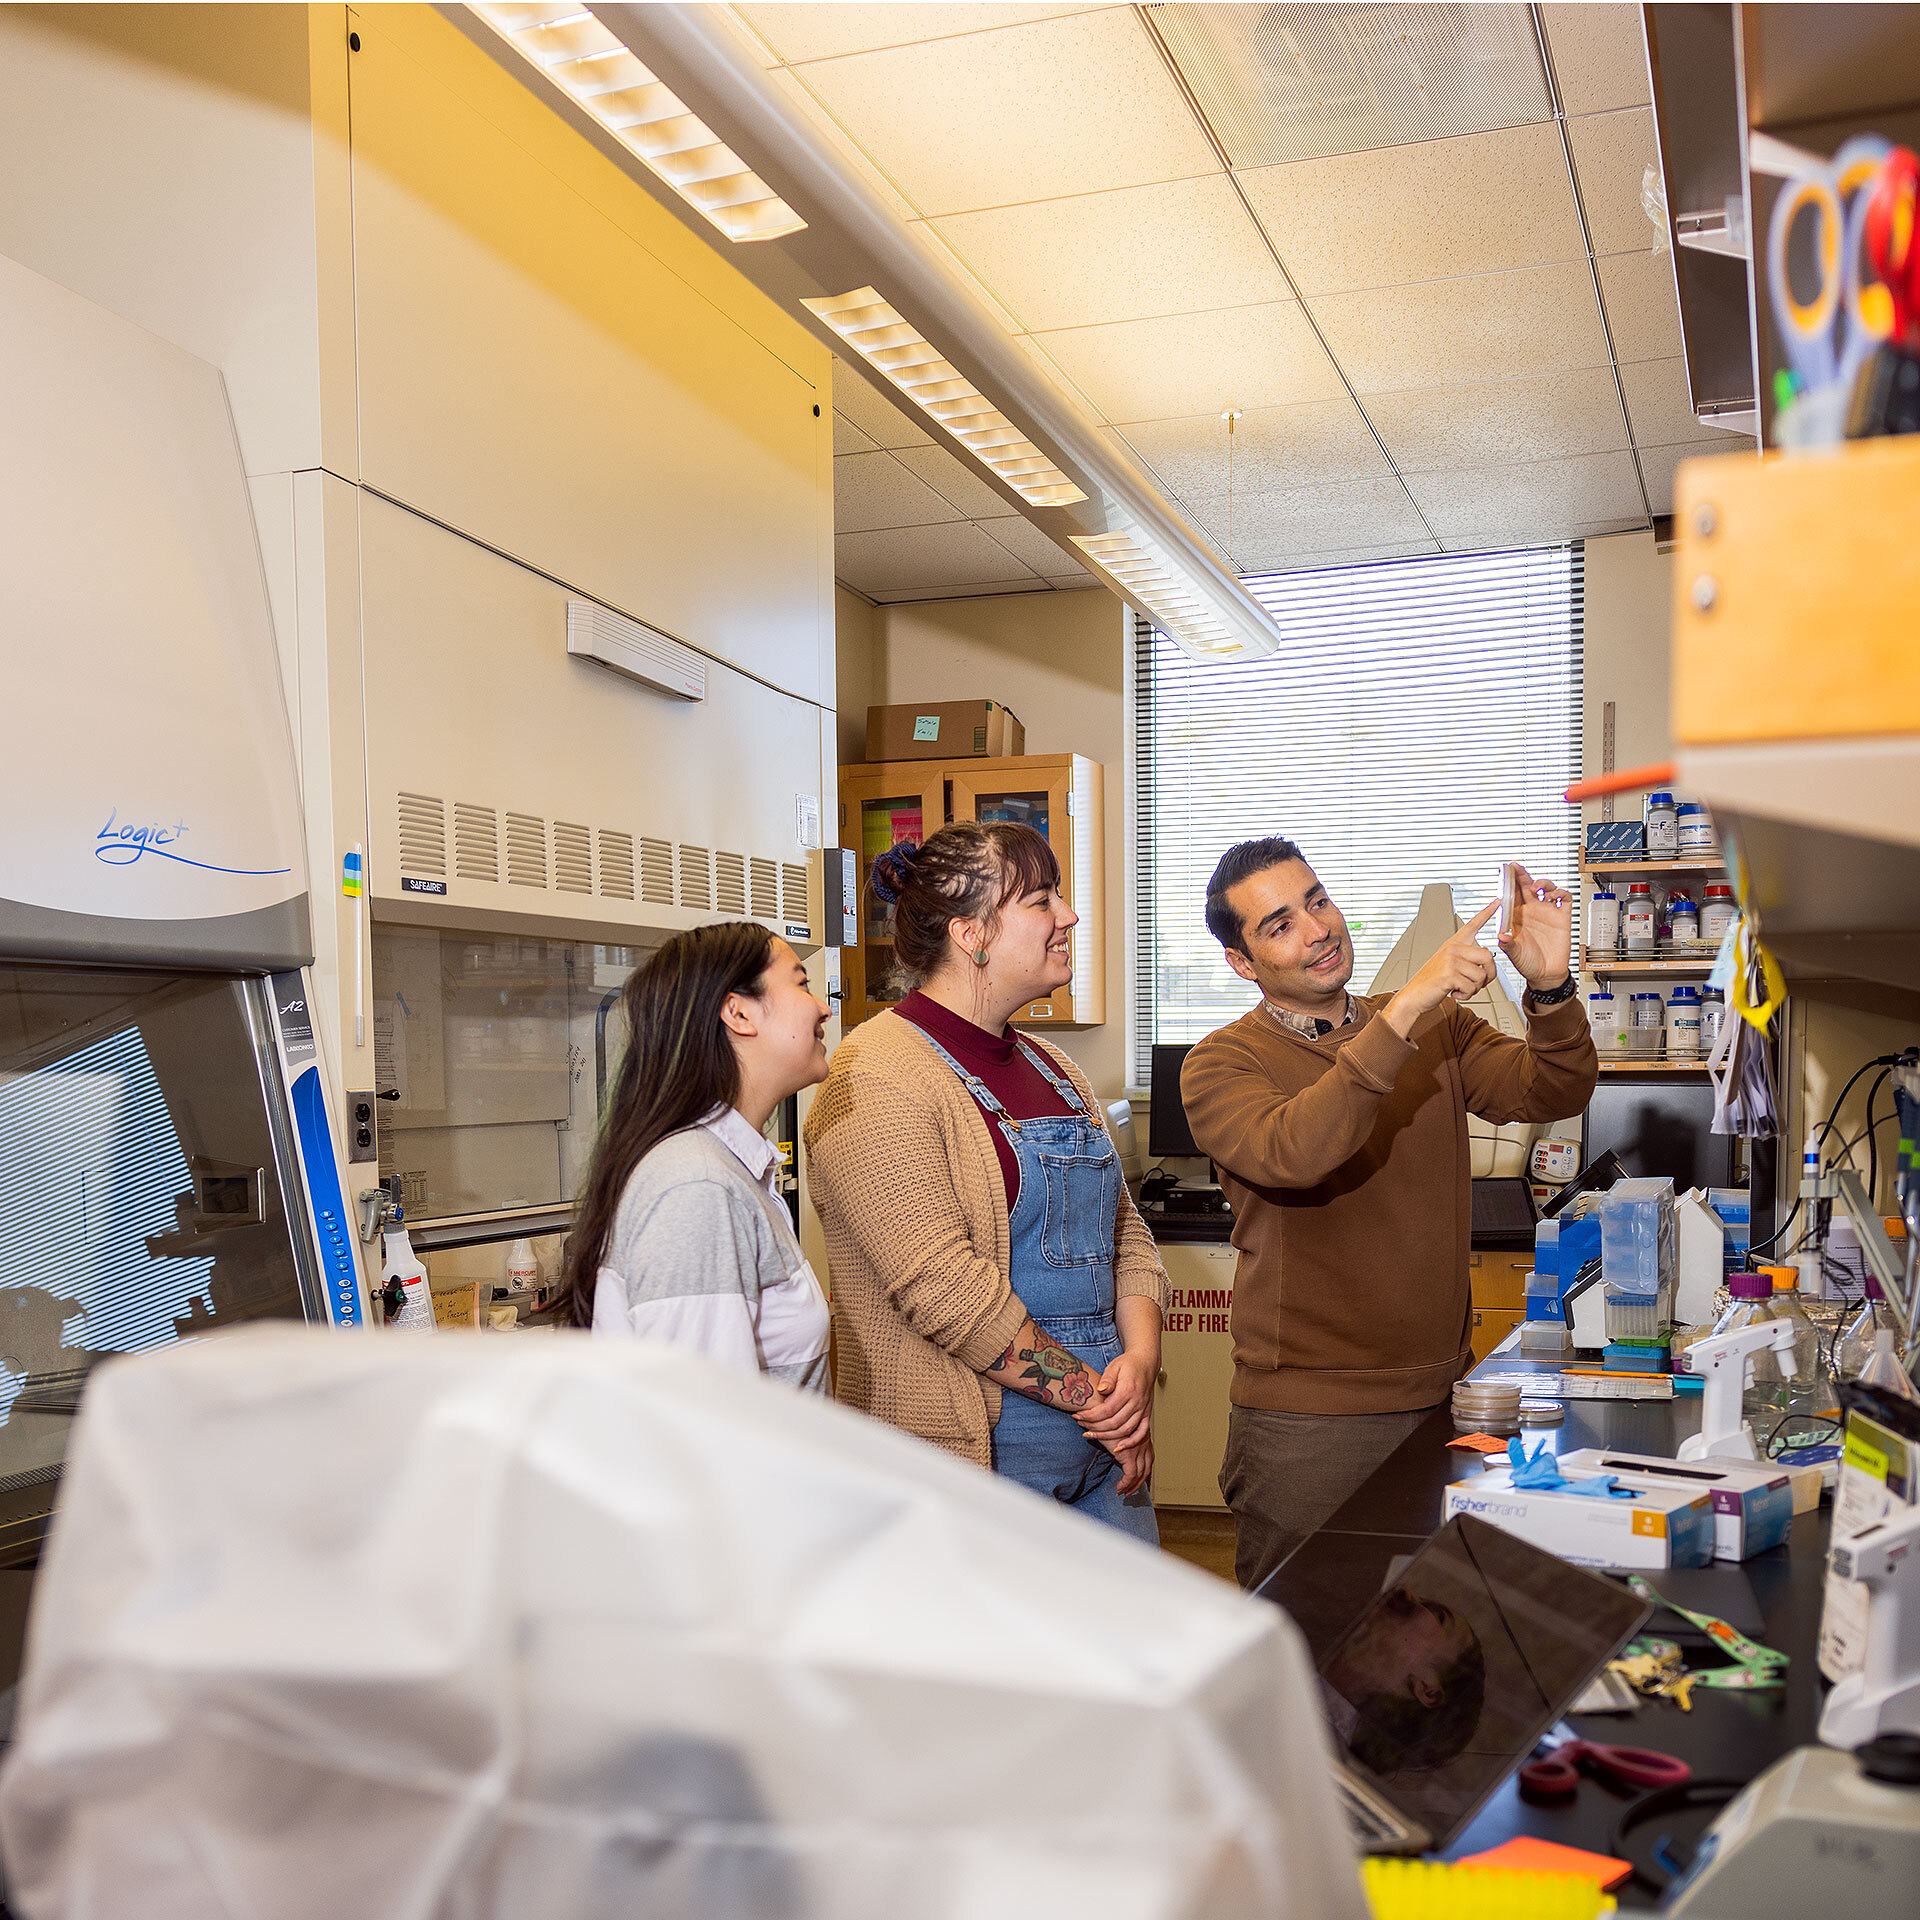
1167, 1129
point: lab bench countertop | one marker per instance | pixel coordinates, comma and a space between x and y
1330, 1577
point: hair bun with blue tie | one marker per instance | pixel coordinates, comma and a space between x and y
892, 870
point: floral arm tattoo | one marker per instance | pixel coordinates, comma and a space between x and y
1039, 1367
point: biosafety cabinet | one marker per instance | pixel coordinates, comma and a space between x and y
167, 1158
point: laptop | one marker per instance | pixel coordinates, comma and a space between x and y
1448, 1680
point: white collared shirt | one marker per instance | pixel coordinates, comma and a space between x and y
699, 1261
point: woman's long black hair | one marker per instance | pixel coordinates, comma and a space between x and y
679, 1065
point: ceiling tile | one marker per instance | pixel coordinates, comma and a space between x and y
876, 416
1295, 82
955, 482
1199, 363
1431, 211
1063, 106
1599, 57
911, 558
1310, 519
1659, 407
1551, 535
1127, 255
1029, 545
1643, 311
1611, 153
1273, 448
1446, 429
1658, 464
965, 590
1284, 562
847, 438
1523, 504
1072, 583
873, 490
1496, 326
819, 32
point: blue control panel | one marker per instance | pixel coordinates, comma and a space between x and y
333, 1228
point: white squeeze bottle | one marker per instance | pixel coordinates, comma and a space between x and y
401, 1263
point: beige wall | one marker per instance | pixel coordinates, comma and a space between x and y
1058, 660
1628, 648
859, 634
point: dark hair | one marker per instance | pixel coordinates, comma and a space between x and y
679, 1065
1394, 1733
1249, 857
964, 872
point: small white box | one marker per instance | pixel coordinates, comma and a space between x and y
1661, 1528
1752, 1499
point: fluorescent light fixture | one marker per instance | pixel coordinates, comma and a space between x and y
884, 340
601, 74
1175, 607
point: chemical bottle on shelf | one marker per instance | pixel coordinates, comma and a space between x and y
1789, 1397
1603, 921
1693, 831
1683, 920
1683, 1024
1606, 1023
1663, 827
1637, 919
523, 1270
1717, 912
1713, 1016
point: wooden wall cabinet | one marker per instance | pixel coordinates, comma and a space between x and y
1062, 794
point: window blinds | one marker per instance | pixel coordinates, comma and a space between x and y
1418, 724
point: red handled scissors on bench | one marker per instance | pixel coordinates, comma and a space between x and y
1639, 1767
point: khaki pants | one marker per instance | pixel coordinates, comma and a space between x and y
1286, 1474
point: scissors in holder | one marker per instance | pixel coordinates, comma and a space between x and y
1558, 1774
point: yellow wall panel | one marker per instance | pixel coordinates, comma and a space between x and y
550, 363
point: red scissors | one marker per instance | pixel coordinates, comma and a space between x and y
1559, 1773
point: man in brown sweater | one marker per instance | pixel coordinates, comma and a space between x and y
1338, 1126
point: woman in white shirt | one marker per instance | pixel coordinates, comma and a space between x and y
681, 1233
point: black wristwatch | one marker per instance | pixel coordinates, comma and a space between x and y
1554, 995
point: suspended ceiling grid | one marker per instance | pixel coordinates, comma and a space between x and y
1356, 225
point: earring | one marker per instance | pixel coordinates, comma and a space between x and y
980, 957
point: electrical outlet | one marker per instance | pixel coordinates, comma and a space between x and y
362, 1133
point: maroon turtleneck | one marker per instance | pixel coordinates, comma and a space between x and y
1007, 1073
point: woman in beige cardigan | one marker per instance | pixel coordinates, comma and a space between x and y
994, 1288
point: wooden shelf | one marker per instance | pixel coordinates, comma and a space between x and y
1651, 866
1599, 964
1651, 1065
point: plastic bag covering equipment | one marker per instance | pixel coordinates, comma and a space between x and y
547, 1627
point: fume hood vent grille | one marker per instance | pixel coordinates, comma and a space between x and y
423, 834
696, 878
793, 895
766, 890
656, 872
476, 842
616, 864
638, 652
730, 883
572, 857
526, 850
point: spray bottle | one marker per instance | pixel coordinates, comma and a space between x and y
404, 1279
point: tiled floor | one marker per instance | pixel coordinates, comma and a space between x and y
1202, 1536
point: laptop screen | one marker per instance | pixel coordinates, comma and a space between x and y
1448, 1679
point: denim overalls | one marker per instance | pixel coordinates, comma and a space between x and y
1060, 1236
